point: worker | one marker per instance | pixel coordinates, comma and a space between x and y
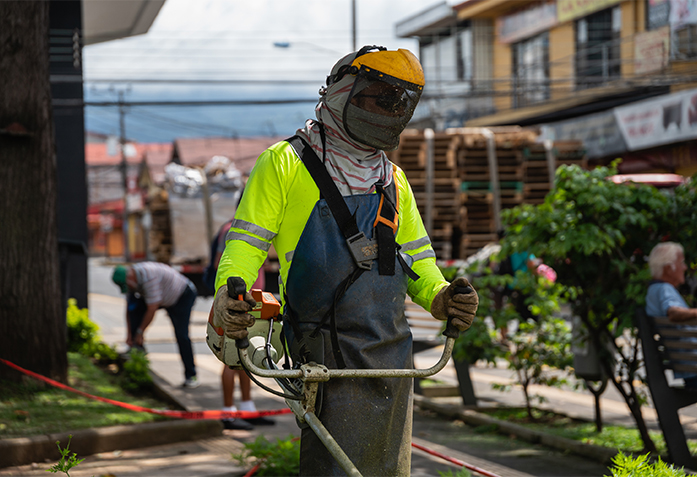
150, 286
351, 245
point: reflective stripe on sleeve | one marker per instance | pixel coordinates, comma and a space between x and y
289, 256
425, 254
253, 241
253, 228
415, 244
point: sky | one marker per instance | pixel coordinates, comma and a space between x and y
216, 50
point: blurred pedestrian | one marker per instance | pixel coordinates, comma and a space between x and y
150, 286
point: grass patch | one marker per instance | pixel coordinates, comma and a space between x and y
617, 437
34, 408
430, 383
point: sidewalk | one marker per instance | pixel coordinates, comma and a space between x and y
211, 456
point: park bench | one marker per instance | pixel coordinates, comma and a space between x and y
664, 348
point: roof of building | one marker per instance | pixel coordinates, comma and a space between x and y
243, 152
98, 153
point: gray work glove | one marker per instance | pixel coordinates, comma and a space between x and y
462, 307
232, 315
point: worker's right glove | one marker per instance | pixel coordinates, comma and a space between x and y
451, 302
232, 315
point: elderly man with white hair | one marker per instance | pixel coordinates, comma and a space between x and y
667, 264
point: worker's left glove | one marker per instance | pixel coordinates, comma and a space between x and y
462, 307
232, 315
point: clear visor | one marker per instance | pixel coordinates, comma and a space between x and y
378, 109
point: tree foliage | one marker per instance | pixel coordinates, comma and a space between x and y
597, 234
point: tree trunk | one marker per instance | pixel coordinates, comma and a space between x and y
32, 328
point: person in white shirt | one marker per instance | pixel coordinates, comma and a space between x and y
153, 285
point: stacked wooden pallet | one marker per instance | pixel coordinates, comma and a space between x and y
411, 156
463, 214
160, 239
536, 177
477, 191
535, 174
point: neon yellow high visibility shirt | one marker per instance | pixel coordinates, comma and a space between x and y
276, 204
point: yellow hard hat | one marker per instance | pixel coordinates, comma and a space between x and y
400, 64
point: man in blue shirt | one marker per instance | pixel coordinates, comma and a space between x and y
667, 264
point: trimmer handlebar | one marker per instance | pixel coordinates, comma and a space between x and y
351, 373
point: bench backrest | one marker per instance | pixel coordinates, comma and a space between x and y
677, 343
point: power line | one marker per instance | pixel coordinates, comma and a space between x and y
70, 103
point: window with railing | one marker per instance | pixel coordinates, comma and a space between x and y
598, 48
684, 42
531, 71
447, 57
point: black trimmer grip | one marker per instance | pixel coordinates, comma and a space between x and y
242, 343
451, 330
236, 288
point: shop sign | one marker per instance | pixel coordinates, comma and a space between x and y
683, 12
571, 9
667, 119
527, 22
599, 133
651, 50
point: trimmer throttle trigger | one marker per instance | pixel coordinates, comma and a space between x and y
236, 288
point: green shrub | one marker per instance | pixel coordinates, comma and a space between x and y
281, 458
82, 332
83, 335
629, 466
136, 372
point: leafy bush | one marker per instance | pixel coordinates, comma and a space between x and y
281, 458
82, 332
628, 466
83, 335
136, 372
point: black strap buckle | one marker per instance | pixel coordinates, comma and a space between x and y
364, 251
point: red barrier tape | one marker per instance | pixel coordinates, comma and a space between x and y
216, 415
455, 461
176, 414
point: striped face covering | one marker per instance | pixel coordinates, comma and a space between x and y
354, 167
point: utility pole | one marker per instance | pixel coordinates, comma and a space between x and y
353, 24
124, 174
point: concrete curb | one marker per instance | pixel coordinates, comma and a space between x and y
25, 450
600, 454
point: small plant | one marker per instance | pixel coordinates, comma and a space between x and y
66, 461
136, 371
629, 466
461, 472
281, 458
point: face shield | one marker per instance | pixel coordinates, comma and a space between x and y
380, 104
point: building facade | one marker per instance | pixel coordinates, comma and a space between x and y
620, 75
